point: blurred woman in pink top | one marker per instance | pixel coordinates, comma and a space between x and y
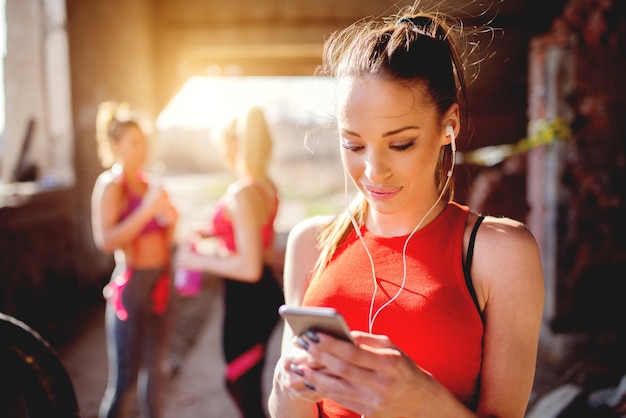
133, 218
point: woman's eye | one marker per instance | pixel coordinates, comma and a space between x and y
403, 147
351, 147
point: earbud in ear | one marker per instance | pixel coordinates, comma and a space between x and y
450, 133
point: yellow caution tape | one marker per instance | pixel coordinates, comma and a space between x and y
543, 132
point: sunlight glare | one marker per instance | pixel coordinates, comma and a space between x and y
206, 101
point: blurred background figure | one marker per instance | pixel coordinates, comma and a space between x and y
243, 224
133, 218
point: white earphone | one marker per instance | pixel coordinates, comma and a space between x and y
373, 314
450, 132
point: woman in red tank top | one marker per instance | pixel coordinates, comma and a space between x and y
435, 333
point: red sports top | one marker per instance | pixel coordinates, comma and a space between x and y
223, 225
434, 320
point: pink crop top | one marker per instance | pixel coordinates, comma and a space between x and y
223, 225
134, 200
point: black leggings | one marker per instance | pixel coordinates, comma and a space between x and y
251, 313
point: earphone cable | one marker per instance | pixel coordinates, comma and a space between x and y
357, 229
372, 318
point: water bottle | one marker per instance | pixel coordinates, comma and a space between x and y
188, 282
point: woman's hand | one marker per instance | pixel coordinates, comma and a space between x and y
205, 231
289, 372
169, 216
187, 257
372, 377
156, 200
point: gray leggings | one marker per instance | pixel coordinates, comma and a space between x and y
137, 350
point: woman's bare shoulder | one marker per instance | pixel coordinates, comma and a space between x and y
302, 239
107, 177
301, 256
309, 226
498, 231
506, 256
107, 182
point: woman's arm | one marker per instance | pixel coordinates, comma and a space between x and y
246, 264
508, 278
300, 257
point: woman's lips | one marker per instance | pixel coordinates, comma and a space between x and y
382, 193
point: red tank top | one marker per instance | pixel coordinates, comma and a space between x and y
434, 320
223, 225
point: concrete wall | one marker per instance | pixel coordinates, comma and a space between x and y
111, 57
50, 266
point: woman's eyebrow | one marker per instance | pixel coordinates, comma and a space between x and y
389, 133
397, 131
346, 131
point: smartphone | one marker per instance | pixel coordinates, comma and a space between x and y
325, 320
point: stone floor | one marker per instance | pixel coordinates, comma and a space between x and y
588, 382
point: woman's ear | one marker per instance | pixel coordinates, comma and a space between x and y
451, 123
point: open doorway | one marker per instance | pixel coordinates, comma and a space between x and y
305, 163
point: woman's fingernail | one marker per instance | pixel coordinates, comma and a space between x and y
302, 343
296, 370
308, 385
313, 336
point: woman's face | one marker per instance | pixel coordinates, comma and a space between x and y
131, 148
390, 142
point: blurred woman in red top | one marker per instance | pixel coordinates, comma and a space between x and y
243, 225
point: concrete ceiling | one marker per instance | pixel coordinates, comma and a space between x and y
202, 11
285, 37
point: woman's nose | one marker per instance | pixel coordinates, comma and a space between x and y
376, 167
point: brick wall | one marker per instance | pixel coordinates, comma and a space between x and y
576, 186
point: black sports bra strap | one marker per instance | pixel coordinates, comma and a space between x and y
468, 264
